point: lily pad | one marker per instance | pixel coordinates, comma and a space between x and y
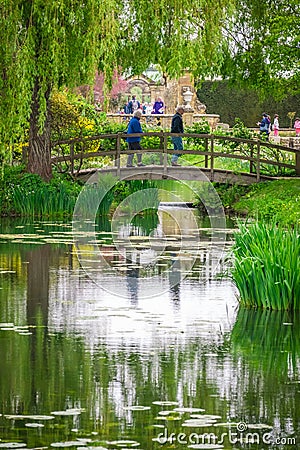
34, 425
29, 417
189, 410
137, 407
67, 444
125, 443
259, 426
166, 402
168, 413
12, 445
67, 412
206, 446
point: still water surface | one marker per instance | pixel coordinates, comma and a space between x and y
104, 363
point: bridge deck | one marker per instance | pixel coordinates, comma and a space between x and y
188, 173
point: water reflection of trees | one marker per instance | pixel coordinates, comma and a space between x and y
244, 376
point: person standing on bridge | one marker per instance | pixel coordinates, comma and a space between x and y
134, 126
276, 125
297, 126
177, 127
264, 126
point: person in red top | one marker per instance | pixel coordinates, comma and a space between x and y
297, 126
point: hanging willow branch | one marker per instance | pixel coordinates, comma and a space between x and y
47, 45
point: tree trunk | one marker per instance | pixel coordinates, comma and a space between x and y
39, 151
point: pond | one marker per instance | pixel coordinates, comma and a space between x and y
132, 339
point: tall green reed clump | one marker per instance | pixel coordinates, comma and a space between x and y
43, 202
266, 267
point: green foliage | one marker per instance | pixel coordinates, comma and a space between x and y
230, 194
24, 194
50, 45
231, 101
72, 116
201, 127
272, 201
267, 266
124, 189
262, 47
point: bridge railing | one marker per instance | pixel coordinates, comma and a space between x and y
111, 148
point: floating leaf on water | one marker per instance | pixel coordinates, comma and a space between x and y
39, 448
206, 446
168, 418
196, 423
137, 408
189, 410
129, 444
17, 241
166, 402
205, 416
29, 417
12, 445
67, 412
67, 444
167, 413
259, 426
34, 425
226, 424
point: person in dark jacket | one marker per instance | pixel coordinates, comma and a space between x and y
177, 127
133, 105
134, 126
264, 126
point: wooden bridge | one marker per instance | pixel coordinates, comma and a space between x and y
259, 160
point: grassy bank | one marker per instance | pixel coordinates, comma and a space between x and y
272, 201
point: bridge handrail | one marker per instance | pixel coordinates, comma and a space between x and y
169, 134
209, 152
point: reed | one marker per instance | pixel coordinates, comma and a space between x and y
266, 267
43, 202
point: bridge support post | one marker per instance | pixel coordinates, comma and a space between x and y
212, 158
72, 159
118, 153
258, 162
206, 151
161, 157
165, 154
297, 156
251, 168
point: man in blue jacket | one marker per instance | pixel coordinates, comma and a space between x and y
134, 126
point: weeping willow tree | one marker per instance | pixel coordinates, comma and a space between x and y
262, 48
62, 43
